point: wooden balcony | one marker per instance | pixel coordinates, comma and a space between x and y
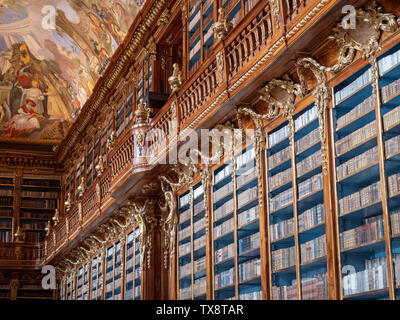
20, 255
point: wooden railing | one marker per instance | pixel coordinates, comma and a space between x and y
16, 255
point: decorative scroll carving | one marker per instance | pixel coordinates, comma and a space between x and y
222, 26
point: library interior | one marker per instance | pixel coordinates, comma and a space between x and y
261, 163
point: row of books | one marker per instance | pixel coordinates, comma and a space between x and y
249, 269
184, 233
6, 201
45, 204
184, 249
197, 192
279, 157
373, 277
394, 184
34, 237
358, 83
223, 173
248, 216
248, 243
307, 141
391, 118
199, 264
254, 295
310, 185
198, 208
392, 145
184, 200
200, 287
38, 225
247, 196
41, 183
185, 293
185, 270
315, 287
357, 163
225, 278
224, 210
280, 200
200, 224
288, 292
313, 249
280, 179
390, 90
4, 180
5, 236
309, 163
194, 20
283, 258
388, 62
371, 231
245, 157
224, 228
195, 49
282, 229
395, 222
237, 17
278, 136
246, 177
357, 200
350, 141
6, 212
6, 192
199, 242
396, 261
185, 215
224, 253
364, 107
5, 224
305, 118
311, 217
223, 191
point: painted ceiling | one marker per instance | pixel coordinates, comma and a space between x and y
52, 52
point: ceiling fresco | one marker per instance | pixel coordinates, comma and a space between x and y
52, 52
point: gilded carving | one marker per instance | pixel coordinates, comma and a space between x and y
220, 66
222, 26
176, 79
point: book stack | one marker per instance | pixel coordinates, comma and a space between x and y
357, 200
248, 216
199, 286
200, 264
199, 242
223, 191
357, 163
249, 243
394, 184
371, 231
395, 222
279, 157
311, 217
282, 229
373, 277
185, 293
198, 225
184, 249
185, 215
285, 292
306, 117
313, 249
283, 258
363, 108
224, 228
350, 141
280, 200
185, 270
247, 196
390, 90
223, 173
184, 233
224, 253
307, 141
310, 185
357, 84
315, 287
255, 295
280, 179
278, 136
223, 210
225, 278
309, 163
392, 145
388, 62
391, 118
249, 269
